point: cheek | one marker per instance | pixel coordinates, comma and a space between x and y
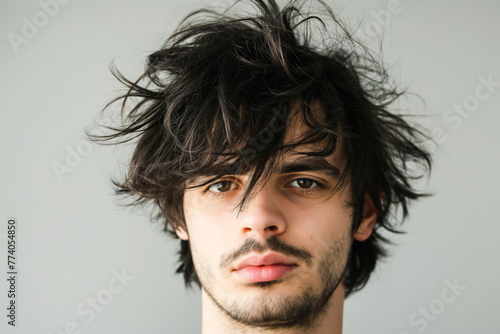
209, 237
206, 268
208, 229
322, 224
194, 205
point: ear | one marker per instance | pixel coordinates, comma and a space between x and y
368, 221
181, 232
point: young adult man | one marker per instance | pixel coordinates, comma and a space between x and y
272, 156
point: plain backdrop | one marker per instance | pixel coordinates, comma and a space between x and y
74, 239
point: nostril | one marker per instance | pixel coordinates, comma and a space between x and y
262, 229
273, 228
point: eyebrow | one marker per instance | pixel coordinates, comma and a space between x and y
311, 164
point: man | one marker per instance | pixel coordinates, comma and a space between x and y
274, 158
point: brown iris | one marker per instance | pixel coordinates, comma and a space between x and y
223, 186
305, 183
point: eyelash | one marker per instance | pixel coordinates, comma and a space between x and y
217, 194
308, 191
317, 186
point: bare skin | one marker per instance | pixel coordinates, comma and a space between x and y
294, 237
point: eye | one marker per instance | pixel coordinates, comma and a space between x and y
305, 186
221, 186
304, 183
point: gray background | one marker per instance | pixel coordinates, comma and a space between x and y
72, 234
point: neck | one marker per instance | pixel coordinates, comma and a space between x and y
215, 321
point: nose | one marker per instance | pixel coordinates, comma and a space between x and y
263, 215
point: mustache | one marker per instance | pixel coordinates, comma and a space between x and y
271, 244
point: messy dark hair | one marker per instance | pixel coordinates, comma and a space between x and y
217, 99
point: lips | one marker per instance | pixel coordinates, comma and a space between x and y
264, 268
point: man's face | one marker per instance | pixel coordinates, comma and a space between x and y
276, 263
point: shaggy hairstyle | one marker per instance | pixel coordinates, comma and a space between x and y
216, 100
